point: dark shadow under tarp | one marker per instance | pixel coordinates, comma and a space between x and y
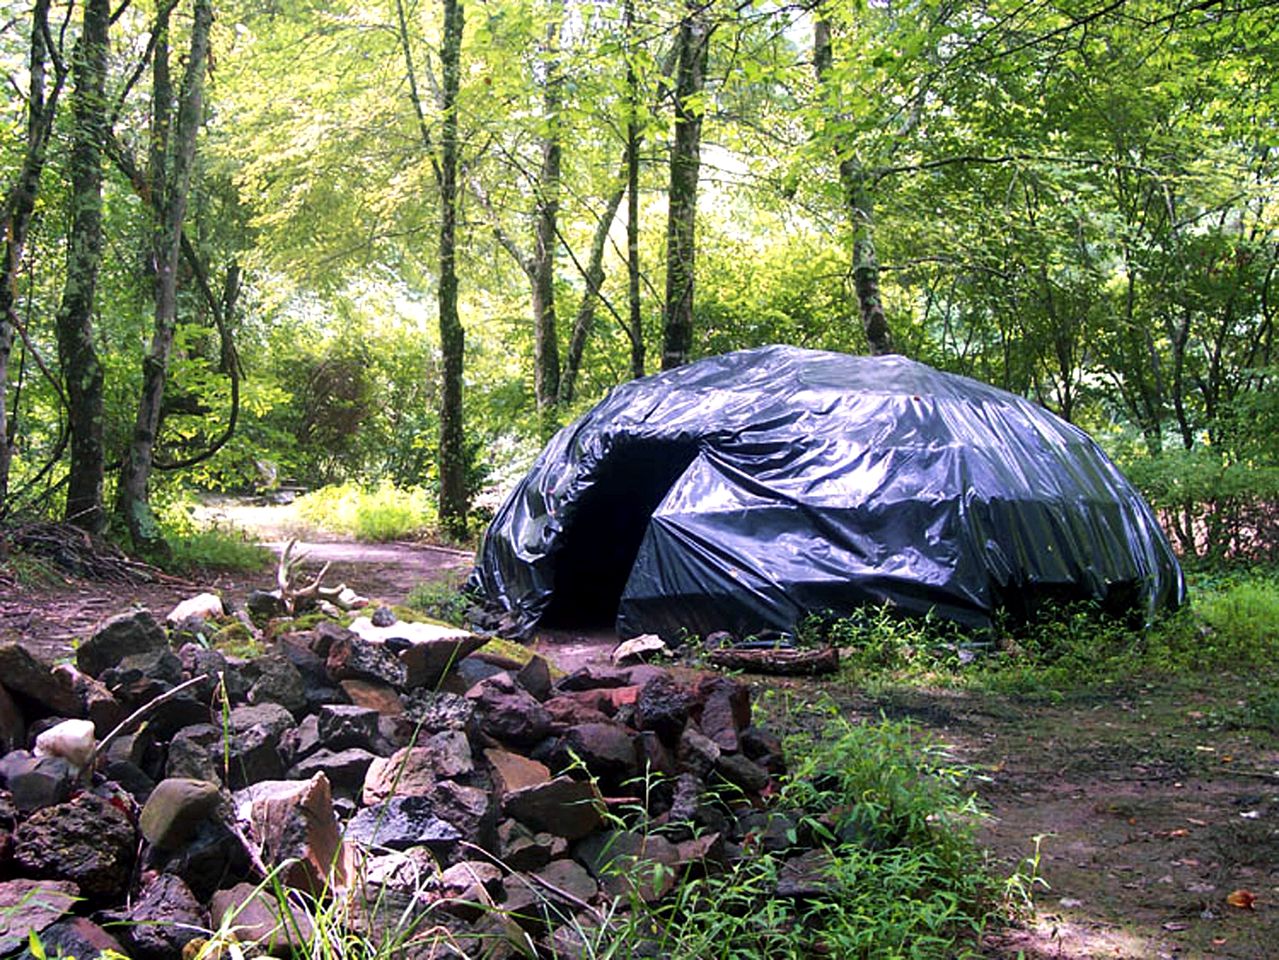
744, 491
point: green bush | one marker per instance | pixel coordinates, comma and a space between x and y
381, 513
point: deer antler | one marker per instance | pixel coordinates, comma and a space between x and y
288, 570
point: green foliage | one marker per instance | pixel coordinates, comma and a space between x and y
195, 547
1231, 625
381, 513
441, 600
902, 877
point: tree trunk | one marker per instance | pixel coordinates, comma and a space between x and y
81, 368
858, 201
585, 318
546, 355
19, 204
677, 321
635, 325
170, 182
453, 494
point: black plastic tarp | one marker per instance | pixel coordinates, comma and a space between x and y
747, 490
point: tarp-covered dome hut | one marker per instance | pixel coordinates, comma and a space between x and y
747, 490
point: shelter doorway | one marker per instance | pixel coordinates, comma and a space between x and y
600, 545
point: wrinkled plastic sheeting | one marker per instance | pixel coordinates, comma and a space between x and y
747, 490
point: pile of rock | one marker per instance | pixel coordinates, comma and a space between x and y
390, 768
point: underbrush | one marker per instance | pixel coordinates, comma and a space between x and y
195, 546
1229, 626
380, 513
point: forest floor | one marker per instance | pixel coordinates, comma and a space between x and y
1152, 803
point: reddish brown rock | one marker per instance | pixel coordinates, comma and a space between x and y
564, 807
374, 696
512, 772
508, 712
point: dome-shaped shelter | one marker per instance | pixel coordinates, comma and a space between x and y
747, 490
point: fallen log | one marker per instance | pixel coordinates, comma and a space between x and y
784, 661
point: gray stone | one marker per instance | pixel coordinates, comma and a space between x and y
565, 807
258, 918
607, 749
698, 754
413, 771
254, 755
508, 712
404, 822
470, 809
196, 753
13, 729
340, 726
41, 689
278, 681
75, 937
163, 920
535, 677
593, 678
626, 862
346, 769
663, 707
36, 782
273, 717
212, 858
746, 774
433, 711
160, 664
120, 637
29, 906
726, 710
428, 661
88, 841
174, 810
264, 605
354, 658
566, 888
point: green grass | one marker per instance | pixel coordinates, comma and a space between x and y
440, 600
902, 875
378, 514
215, 548
1229, 626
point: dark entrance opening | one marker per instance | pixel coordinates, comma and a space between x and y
601, 542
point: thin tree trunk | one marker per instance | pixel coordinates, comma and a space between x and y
636, 326
585, 318
171, 181
858, 201
677, 320
81, 368
453, 494
19, 205
546, 357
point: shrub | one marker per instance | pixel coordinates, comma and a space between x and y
385, 512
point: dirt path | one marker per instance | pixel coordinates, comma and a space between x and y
52, 612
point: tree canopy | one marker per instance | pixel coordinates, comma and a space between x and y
390, 240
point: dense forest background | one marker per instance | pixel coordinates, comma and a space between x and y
400, 242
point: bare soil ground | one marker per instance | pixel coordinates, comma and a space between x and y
1150, 810
51, 611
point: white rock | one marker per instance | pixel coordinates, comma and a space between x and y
402, 630
72, 740
638, 649
205, 605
